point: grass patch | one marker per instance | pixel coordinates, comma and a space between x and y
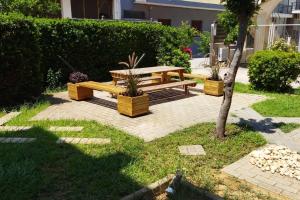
44, 169
277, 104
287, 128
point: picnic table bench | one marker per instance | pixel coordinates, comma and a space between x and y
86, 88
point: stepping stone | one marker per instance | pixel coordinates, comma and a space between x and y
192, 150
66, 128
8, 117
71, 140
15, 128
16, 140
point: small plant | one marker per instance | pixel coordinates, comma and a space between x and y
78, 77
282, 45
54, 79
215, 69
132, 80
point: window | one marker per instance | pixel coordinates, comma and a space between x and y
94, 9
197, 24
166, 22
134, 14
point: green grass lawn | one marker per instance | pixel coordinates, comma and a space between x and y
287, 128
277, 104
46, 170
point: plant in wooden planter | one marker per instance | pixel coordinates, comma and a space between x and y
214, 85
133, 102
75, 91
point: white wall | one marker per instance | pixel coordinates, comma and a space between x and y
66, 11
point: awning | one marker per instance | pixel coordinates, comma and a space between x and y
190, 4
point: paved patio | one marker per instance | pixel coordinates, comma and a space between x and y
170, 111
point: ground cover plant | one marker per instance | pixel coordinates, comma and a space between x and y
44, 169
277, 104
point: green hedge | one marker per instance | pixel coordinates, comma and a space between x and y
20, 73
90, 46
273, 70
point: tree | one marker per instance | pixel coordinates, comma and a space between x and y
36, 8
244, 11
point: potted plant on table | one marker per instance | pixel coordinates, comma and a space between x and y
75, 91
214, 85
133, 101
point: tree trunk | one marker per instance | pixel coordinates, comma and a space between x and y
229, 78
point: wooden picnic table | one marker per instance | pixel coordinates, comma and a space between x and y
163, 70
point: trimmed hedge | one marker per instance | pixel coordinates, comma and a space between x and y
20, 73
91, 47
273, 70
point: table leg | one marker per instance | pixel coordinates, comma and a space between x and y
164, 77
181, 76
114, 81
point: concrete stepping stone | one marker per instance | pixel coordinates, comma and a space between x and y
16, 140
15, 128
66, 128
72, 140
8, 117
192, 150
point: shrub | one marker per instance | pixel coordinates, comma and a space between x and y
96, 47
54, 79
282, 45
178, 58
21, 77
90, 46
204, 42
273, 70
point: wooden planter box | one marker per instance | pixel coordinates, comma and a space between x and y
79, 93
133, 106
215, 88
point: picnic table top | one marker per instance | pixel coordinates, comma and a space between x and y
147, 70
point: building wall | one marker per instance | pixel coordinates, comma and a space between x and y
177, 15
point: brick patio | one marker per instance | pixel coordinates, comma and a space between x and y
170, 111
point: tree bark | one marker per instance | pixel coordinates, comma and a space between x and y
229, 78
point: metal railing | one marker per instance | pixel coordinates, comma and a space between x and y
296, 5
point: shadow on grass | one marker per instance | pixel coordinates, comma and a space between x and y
46, 170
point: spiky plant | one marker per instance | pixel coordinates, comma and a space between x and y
215, 69
132, 81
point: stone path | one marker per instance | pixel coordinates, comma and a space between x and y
266, 127
170, 111
15, 128
71, 140
66, 128
8, 117
192, 150
16, 140
276, 183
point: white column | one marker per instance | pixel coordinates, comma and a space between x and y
117, 9
66, 10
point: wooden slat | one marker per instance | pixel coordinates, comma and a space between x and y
148, 78
169, 85
192, 76
146, 70
102, 87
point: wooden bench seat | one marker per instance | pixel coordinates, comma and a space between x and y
191, 76
185, 84
102, 87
